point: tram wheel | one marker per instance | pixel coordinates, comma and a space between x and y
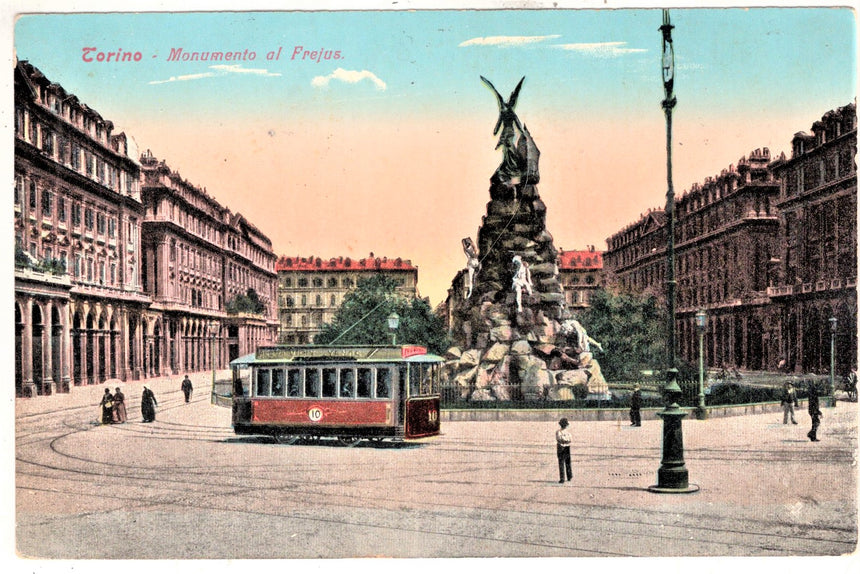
282, 438
348, 441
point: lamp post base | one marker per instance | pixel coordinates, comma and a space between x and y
667, 490
701, 413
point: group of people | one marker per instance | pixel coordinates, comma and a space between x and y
788, 401
114, 409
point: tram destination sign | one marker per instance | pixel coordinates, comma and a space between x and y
345, 353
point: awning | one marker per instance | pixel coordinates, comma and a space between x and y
244, 361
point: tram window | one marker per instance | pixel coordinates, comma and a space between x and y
263, 383
414, 380
329, 380
401, 381
347, 383
294, 383
277, 382
312, 383
383, 383
365, 381
425, 380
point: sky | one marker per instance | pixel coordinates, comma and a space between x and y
352, 132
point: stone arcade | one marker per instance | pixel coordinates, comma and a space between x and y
515, 337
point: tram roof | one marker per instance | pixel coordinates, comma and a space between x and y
244, 360
322, 353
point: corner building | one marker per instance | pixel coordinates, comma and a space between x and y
77, 223
98, 293
311, 289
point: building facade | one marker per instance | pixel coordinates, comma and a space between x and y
197, 258
77, 220
94, 297
311, 289
580, 274
816, 267
767, 249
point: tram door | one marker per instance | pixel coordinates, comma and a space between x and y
402, 377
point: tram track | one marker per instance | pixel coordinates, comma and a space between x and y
521, 519
236, 489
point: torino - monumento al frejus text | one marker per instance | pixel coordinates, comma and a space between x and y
93, 54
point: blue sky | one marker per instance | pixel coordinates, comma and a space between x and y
402, 120
583, 60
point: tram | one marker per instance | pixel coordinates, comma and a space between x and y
346, 392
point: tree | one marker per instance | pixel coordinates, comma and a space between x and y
249, 302
362, 318
632, 329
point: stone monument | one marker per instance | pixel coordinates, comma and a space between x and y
515, 338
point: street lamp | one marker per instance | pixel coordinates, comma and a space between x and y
393, 324
672, 476
832, 401
701, 325
213, 331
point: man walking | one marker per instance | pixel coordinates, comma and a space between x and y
187, 388
562, 439
789, 402
814, 412
635, 407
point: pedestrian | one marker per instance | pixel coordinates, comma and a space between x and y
814, 412
119, 412
147, 405
562, 439
788, 402
187, 388
107, 407
635, 406
851, 385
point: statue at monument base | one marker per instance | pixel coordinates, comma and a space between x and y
515, 337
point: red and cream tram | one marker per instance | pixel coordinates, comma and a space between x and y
347, 392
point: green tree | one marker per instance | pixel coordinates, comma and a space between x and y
362, 318
248, 302
632, 329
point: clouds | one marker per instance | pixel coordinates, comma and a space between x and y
348, 77
601, 49
595, 49
216, 71
507, 41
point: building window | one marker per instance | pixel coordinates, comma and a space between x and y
100, 223
32, 196
76, 215
47, 203
19, 189
304, 300
318, 282
61, 209
334, 301
111, 227
88, 218
303, 282
332, 282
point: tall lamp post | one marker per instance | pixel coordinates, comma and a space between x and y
672, 476
832, 401
213, 332
393, 324
701, 325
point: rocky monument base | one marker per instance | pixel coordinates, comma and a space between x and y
514, 336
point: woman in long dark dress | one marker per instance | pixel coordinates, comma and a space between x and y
119, 412
107, 407
147, 405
